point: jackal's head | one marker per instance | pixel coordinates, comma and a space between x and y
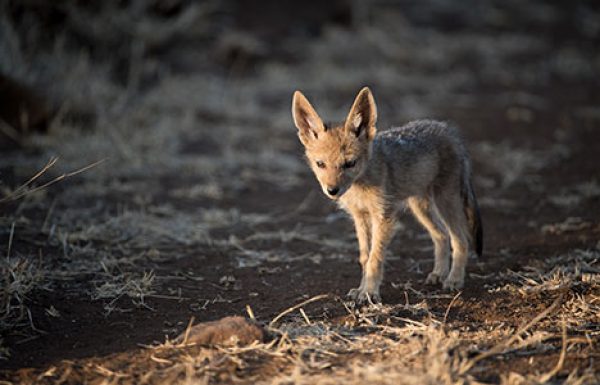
337, 154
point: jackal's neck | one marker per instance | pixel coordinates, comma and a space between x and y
373, 171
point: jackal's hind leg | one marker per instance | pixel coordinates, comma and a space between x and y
452, 214
426, 213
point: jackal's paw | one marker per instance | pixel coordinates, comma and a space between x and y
362, 296
433, 278
453, 283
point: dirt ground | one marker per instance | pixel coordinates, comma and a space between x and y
204, 206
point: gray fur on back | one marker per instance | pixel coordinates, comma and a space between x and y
423, 158
417, 157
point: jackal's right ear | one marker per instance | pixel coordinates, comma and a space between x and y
363, 115
306, 119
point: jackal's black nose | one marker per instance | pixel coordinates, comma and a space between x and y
333, 190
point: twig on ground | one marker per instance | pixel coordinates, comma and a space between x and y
450, 306
295, 307
187, 332
250, 313
306, 319
561, 360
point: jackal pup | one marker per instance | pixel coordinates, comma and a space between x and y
372, 176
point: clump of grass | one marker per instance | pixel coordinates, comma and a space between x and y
18, 278
117, 286
575, 273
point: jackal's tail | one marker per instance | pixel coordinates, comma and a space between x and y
472, 211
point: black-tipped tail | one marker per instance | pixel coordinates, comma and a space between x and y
473, 217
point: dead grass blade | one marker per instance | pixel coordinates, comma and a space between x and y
450, 306
561, 360
48, 165
250, 313
10, 240
187, 332
19, 193
298, 306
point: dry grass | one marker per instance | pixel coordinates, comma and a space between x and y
381, 344
375, 345
19, 277
115, 286
576, 272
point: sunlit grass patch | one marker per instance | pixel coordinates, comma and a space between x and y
115, 286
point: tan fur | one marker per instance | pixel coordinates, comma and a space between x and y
423, 165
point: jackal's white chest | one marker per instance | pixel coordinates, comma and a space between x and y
362, 199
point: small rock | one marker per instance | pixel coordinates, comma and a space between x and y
228, 331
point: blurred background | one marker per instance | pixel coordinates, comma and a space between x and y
189, 103
141, 79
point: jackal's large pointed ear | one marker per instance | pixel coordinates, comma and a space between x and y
306, 119
363, 115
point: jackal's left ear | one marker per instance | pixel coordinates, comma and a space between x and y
363, 115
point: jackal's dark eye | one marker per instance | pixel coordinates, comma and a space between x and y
349, 164
320, 164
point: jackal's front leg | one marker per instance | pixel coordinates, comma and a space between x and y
362, 224
381, 232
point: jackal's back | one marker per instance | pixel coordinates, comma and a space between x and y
418, 156
428, 156
423, 136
